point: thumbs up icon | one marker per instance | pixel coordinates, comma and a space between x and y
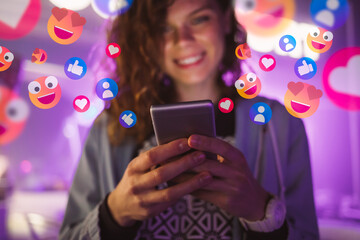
305, 68
75, 69
128, 119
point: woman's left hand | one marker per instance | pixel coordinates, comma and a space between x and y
233, 187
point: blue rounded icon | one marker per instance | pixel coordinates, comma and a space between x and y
287, 43
305, 68
260, 113
109, 8
106, 89
75, 68
127, 119
329, 14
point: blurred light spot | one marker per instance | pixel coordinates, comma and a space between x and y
69, 130
25, 166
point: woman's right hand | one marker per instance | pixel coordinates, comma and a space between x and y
136, 198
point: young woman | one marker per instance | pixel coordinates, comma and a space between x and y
177, 51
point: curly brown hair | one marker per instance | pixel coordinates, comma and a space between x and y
141, 81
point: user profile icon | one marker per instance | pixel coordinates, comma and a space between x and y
106, 89
260, 113
287, 43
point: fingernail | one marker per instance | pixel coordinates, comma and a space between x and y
195, 140
199, 157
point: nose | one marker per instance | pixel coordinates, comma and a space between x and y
184, 35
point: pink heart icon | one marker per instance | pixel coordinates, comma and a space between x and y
295, 88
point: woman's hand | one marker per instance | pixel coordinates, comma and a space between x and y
135, 196
233, 187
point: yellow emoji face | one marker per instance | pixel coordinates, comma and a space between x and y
13, 115
45, 92
248, 86
6, 58
264, 17
319, 40
65, 26
302, 99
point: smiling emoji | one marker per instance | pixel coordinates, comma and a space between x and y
248, 86
319, 40
65, 26
265, 17
302, 99
6, 58
39, 56
14, 112
45, 92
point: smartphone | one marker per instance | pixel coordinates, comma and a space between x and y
180, 120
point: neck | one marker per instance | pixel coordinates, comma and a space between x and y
202, 91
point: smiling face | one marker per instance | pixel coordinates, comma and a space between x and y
13, 114
301, 99
39, 56
248, 86
264, 17
193, 41
319, 40
65, 26
6, 58
45, 92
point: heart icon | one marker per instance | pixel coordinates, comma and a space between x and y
314, 93
113, 50
81, 103
59, 13
295, 88
225, 105
267, 62
77, 20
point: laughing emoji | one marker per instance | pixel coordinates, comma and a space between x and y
39, 56
302, 99
45, 92
319, 40
248, 86
65, 26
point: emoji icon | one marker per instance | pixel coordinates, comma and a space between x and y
127, 119
226, 105
264, 17
81, 103
267, 63
65, 26
301, 99
287, 43
243, 51
75, 68
106, 89
14, 112
39, 56
109, 8
305, 68
260, 113
329, 14
319, 40
6, 58
341, 78
248, 86
45, 92
113, 50
18, 18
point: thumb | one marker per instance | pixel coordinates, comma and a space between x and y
76, 62
129, 116
304, 62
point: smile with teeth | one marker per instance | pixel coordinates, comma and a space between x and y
2, 129
46, 99
299, 107
251, 90
1, 64
317, 45
186, 62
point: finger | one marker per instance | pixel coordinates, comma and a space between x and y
217, 198
219, 185
159, 154
217, 169
175, 192
170, 170
217, 146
